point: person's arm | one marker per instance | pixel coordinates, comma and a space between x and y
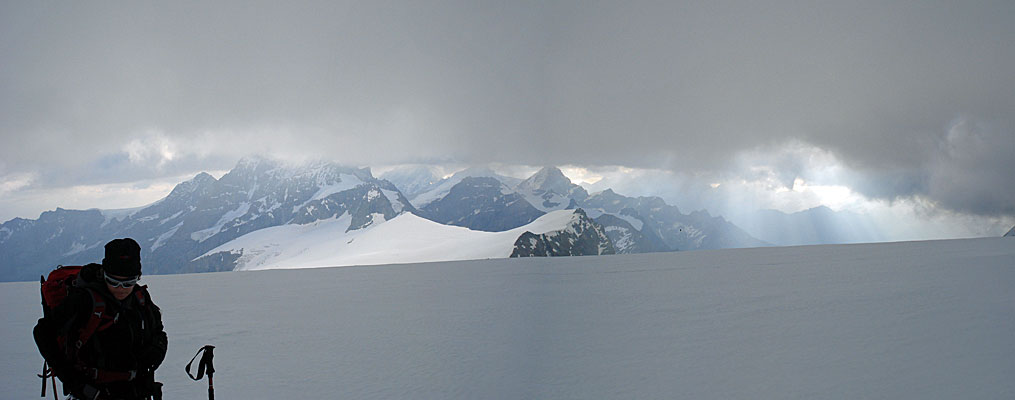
155, 352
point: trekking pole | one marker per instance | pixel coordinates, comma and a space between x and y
47, 373
43, 376
204, 365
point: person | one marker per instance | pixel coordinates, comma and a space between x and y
117, 361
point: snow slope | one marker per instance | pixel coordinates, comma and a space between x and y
915, 320
407, 238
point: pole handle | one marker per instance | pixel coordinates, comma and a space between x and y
43, 376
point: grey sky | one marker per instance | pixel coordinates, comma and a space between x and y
913, 97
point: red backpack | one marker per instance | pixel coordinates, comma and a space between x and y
55, 289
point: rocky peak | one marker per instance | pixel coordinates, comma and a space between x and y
547, 179
475, 172
203, 182
608, 201
581, 236
481, 203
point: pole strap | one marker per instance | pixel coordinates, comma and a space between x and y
204, 365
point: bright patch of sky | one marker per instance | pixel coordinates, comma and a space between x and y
20, 199
580, 176
152, 147
791, 178
14, 182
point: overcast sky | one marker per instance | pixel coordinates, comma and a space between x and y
901, 101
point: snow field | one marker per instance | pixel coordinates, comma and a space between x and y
407, 238
912, 320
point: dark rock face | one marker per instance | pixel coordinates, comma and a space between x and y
483, 204
581, 237
1011, 232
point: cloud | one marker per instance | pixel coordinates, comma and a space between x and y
151, 148
29, 201
974, 173
14, 182
102, 93
966, 169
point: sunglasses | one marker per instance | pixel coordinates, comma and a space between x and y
126, 283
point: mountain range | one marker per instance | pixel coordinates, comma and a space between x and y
262, 212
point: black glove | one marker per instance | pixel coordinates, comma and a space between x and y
155, 390
89, 392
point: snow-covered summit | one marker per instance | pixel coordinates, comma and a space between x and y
546, 179
413, 179
548, 189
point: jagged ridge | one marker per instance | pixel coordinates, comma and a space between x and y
581, 237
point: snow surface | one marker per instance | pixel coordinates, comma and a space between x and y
346, 182
598, 212
204, 234
914, 320
161, 240
561, 202
438, 192
392, 197
75, 248
121, 213
406, 238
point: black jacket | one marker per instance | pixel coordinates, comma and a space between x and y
117, 362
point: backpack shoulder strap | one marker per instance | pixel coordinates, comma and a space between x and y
94, 319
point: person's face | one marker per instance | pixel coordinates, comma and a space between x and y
120, 286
